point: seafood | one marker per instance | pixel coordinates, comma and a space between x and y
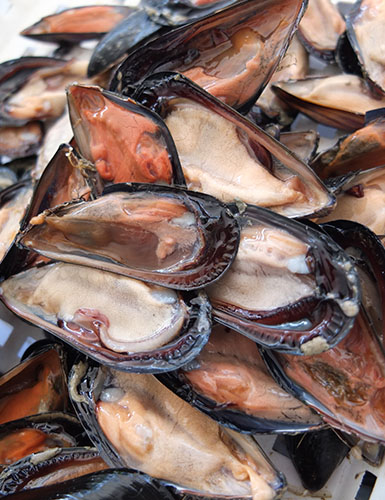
225, 155
119, 484
136, 421
364, 30
339, 101
124, 140
50, 467
362, 199
190, 239
79, 23
105, 318
289, 288
231, 53
18, 142
234, 387
37, 385
33, 88
346, 384
36, 433
362, 150
321, 42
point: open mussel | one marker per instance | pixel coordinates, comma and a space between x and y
231, 53
321, 42
224, 154
36, 385
346, 384
137, 422
14, 202
124, 140
339, 101
119, 321
77, 24
120, 484
19, 142
361, 150
32, 88
290, 287
50, 467
361, 198
364, 30
170, 237
233, 386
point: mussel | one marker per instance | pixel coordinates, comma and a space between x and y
137, 422
231, 53
171, 237
230, 382
290, 287
224, 154
124, 140
77, 24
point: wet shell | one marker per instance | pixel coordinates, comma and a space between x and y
170, 237
161, 432
231, 54
290, 288
105, 317
234, 387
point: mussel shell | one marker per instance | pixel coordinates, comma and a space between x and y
364, 31
135, 29
346, 384
216, 229
49, 467
316, 455
120, 484
20, 395
20, 142
329, 313
107, 16
60, 430
345, 114
161, 90
321, 42
282, 417
361, 150
13, 75
176, 13
187, 47
183, 348
86, 383
145, 149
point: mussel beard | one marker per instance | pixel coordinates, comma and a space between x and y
158, 433
123, 314
218, 160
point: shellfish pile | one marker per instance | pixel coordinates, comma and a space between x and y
201, 272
